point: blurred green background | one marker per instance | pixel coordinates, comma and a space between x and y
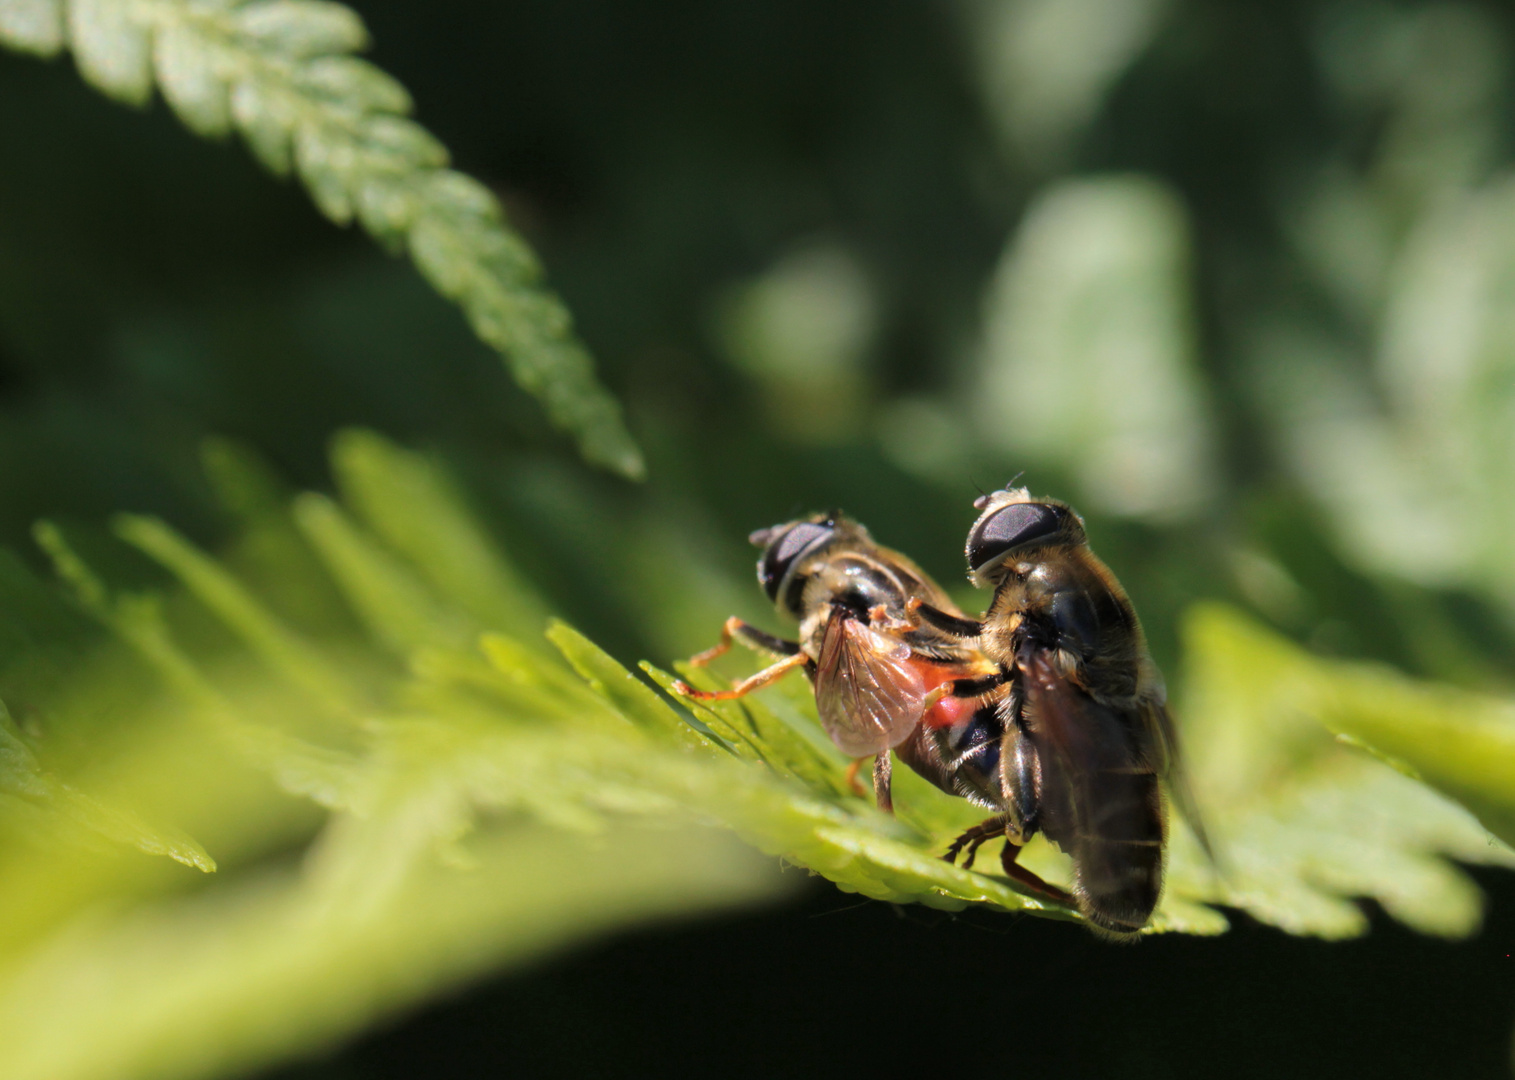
1237, 279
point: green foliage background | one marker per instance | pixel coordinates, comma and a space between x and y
319, 622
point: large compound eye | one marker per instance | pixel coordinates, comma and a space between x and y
996, 535
785, 547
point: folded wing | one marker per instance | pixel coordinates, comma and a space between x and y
1098, 797
869, 695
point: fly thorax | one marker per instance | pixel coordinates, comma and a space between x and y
861, 585
1041, 582
1076, 619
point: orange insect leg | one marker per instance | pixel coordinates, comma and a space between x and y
747, 685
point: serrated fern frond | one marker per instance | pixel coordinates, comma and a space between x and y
25, 783
282, 74
1309, 822
485, 796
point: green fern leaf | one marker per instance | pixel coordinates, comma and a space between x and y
1462, 744
281, 73
277, 646
23, 778
414, 507
485, 798
302, 28
190, 82
623, 690
398, 608
1304, 822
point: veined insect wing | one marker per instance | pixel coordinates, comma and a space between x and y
1160, 723
869, 694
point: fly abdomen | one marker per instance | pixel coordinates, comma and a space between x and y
961, 758
1118, 850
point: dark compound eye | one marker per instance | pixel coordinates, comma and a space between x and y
1017, 525
784, 548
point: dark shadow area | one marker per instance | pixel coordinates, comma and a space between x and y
836, 986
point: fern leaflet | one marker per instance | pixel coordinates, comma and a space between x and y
282, 73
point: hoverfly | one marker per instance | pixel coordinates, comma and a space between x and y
878, 676
1084, 726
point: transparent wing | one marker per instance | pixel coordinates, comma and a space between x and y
1159, 725
868, 693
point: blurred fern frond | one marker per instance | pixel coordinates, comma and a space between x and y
282, 74
1310, 823
460, 793
47, 811
406, 786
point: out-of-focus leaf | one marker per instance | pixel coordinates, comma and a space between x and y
284, 964
22, 777
802, 331
281, 72
1400, 427
1089, 353
189, 80
386, 593
34, 26
1303, 823
113, 48
274, 643
409, 502
1461, 744
1046, 65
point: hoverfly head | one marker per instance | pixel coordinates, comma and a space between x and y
785, 548
1013, 523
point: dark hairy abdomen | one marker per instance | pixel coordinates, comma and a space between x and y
1118, 852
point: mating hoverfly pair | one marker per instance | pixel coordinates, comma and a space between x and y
1048, 711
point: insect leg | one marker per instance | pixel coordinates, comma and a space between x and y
882, 771
1020, 769
747, 685
979, 687
1019, 874
857, 763
963, 688
751, 636
974, 839
916, 608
